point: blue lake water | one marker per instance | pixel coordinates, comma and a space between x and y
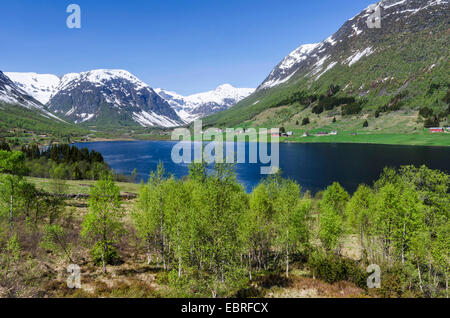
313, 166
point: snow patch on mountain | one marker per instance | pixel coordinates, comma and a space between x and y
150, 118
40, 86
200, 105
297, 55
99, 78
281, 73
358, 55
394, 4
329, 67
10, 93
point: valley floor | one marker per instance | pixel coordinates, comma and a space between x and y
372, 138
412, 139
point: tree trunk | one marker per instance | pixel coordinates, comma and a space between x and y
149, 254
11, 204
403, 243
103, 258
249, 266
287, 261
420, 278
446, 284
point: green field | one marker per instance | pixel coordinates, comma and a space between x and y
386, 139
81, 186
417, 139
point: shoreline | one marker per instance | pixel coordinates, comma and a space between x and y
403, 140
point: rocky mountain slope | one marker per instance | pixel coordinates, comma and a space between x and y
41, 86
111, 97
11, 94
200, 105
360, 70
116, 97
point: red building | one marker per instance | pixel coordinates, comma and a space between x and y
436, 130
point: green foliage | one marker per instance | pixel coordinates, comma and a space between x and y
332, 207
12, 163
332, 269
351, 109
360, 217
330, 102
99, 255
432, 121
213, 238
425, 112
65, 162
4, 145
20, 118
55, 239
12, 169
305, 121
103, 224
317, 109
13, 248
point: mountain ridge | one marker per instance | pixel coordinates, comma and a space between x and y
57, 92
10, 93
401, 66
198, 105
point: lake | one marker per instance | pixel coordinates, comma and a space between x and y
313, 166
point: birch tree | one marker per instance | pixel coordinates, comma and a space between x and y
103, 224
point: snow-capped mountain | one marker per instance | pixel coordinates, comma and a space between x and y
358, 39
10, 93
200, 105
105, 96
390, 57
111, 97
39, 86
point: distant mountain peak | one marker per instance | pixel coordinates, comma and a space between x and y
39, 86
200, 105
100, 77
10, 93
111, 97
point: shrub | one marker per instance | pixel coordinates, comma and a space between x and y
351, 109
328, 103
111, 256
425, 112
318, 109
305, 121
432, 121
366, 124
332, 269
393, 282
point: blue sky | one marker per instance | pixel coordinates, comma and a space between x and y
187, 46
